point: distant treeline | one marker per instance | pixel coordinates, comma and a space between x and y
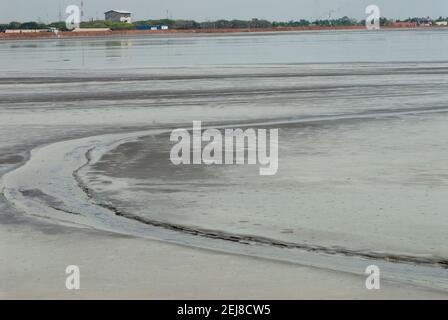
218, 24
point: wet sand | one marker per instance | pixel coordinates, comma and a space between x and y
35, 255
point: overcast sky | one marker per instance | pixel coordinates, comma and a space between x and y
48, 10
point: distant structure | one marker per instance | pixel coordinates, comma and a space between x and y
400, 24
118, 16
26, 30
151, 27
91, 30
82, 11
425, 22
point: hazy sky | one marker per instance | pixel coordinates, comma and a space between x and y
48, 10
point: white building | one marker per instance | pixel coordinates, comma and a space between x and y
118, 16
26, 30
442, 23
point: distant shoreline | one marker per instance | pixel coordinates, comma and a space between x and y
70, 34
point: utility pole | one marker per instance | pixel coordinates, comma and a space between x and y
330, 15
60, 12
82, 11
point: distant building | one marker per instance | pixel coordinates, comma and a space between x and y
118, 16
151, 27
442, 23
400, 24
90, 30
26, 30
425, 22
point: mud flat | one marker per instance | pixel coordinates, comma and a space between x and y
49, 187
85, 174
89, 247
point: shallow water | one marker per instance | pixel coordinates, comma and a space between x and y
181, 51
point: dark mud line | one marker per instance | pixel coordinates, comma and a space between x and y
124, 78
179, 94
